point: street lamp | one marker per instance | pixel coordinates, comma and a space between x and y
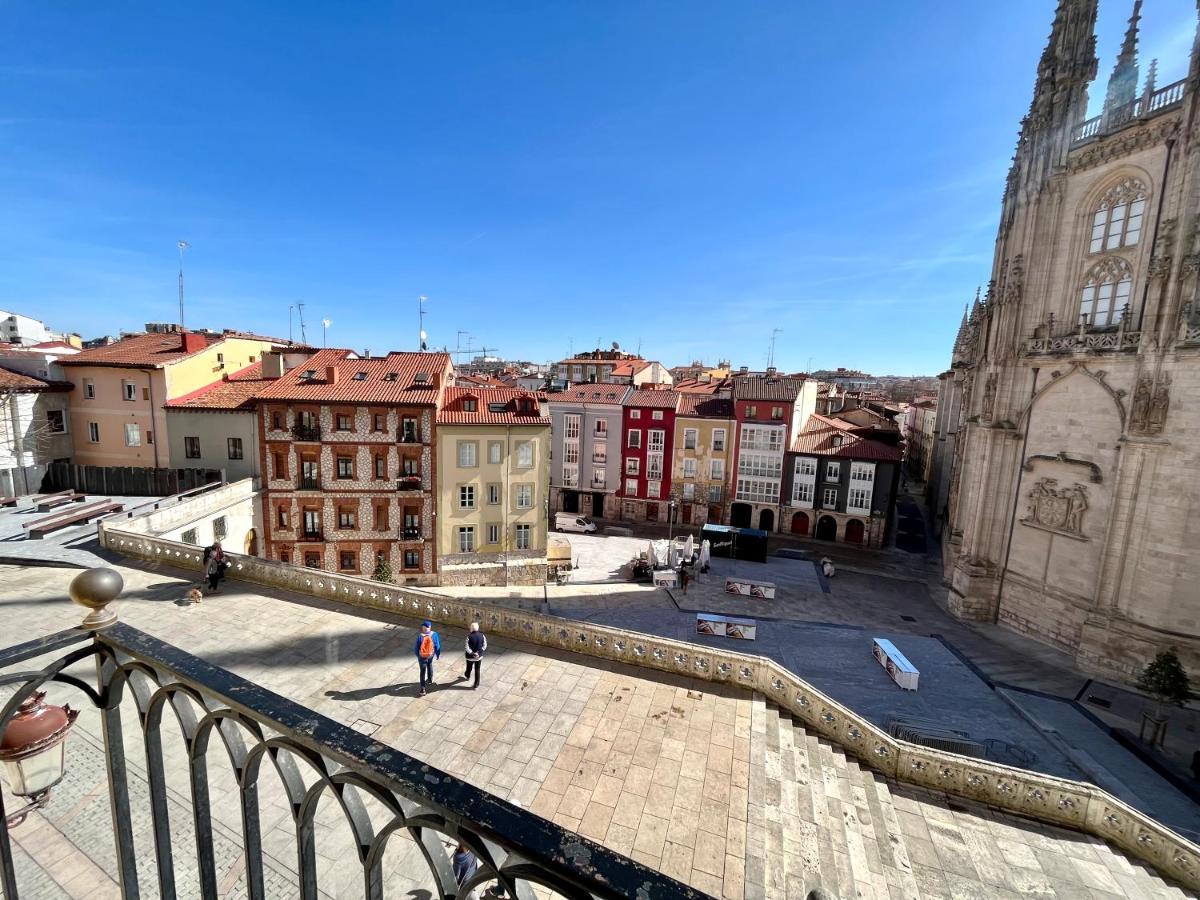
33, 752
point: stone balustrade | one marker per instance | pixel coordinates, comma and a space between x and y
1071, 804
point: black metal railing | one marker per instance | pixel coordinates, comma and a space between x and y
309, 483
384, 796
408, 436
409, 483
410, 534
303, 432
311, 535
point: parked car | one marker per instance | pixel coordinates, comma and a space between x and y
574, 522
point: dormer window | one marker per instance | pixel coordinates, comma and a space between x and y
1117, 221
497, 407
390, 376
309, 375
421, 378
469, 404
360, 376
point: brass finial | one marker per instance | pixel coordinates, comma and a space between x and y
95, 589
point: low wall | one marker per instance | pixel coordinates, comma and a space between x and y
1071, 804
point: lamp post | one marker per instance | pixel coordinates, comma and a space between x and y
33, 752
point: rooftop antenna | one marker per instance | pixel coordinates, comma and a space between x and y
325, 323
290, 308
458, 340
303, 335
421, 318
570, 348
183, 245
771, 354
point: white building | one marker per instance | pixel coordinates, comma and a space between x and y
33, 430
26, 331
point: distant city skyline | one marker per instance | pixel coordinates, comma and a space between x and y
550, 176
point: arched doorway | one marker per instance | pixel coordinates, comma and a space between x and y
251, 543
740, 515
827, 528
766, 520
800, 523
854, 532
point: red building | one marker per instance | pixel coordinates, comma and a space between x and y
348, 463
647, 448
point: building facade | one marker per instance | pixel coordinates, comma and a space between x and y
611, 367
1072, 500
700, 469
348, 463
34, 430
493, 448
839, 485
118, 412
919, 429
26, 331
585, 464
647, 446
769, 410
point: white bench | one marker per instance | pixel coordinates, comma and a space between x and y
896, 663
745, 587
726, 626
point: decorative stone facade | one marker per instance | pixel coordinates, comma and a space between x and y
1072, 497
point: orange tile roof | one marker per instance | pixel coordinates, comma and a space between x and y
140, 350
603, 394
20, 383
652, 399
391, 379
817, 438
236, 393
702, 406
767, 387
696, 386
452, 412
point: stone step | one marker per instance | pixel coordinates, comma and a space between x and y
889, 837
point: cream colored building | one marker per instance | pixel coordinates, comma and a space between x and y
493, 482
1072, 511
118, 414
700, 470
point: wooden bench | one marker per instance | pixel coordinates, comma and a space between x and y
8, 501
38, 528
61, 499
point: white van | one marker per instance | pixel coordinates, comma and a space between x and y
573, 522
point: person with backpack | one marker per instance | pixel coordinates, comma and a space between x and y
428, 648
214, 565
476, 647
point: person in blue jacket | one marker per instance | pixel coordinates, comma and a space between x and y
428, 648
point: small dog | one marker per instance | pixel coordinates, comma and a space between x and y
195, 595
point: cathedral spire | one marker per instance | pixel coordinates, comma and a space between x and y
1122, 84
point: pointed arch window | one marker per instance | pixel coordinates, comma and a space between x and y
1105, 293
1117, 221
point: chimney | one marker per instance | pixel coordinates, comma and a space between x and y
744, 369
193, 343
771, 370
331, 374
272, 365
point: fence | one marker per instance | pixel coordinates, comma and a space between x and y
1071, 804
125, 481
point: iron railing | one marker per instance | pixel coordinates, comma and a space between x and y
308, 483
316, 759
409, 483
303, 432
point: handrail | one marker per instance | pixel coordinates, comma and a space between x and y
1060, 801
1117, 117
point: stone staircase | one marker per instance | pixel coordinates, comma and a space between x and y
818, 819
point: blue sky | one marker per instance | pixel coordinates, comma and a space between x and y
687, 176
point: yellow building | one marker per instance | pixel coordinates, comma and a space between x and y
704, 431
493, 479
117, 414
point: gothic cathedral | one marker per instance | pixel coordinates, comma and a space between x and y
1073, 511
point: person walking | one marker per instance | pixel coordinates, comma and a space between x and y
214, 565
428, 648
464, 865
476, 647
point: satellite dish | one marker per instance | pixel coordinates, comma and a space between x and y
616, 346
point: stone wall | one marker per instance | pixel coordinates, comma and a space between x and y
1070, 804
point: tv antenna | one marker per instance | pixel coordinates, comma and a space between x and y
421, 319
303, 334
182, 245
771, 355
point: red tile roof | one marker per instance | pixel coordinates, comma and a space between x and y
767, 387
27, 384
234, 394
391, 379
630, 367
702, 406
53, 345
696, 386
139, 350
650, 399
823, 436
602, 394
452, 412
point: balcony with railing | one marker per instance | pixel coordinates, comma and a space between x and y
409, 483
306, 431
308, 483
1052, 338
1143, 107
410, 533
211, 779
408, 433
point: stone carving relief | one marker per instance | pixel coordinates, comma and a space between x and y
1150, 405
1160, 260
1056, 509
1016, 280
988, 407
1123, 144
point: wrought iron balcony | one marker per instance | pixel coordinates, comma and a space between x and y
409, 483
309, 483
312, 535
411, 534
303, 432
385, 796
408, 436
1083, 337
